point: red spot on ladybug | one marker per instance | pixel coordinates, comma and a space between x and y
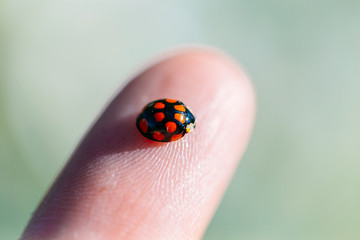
159, 116
171, 100
180, 108
179, 117
143, 125
170, 127
176, 137
158, 136
159, 105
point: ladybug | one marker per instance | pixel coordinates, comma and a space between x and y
165, 120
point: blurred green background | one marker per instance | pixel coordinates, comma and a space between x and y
61, 60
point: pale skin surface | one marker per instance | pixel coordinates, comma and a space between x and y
120, 185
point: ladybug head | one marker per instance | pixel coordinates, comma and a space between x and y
190, 121
190, 127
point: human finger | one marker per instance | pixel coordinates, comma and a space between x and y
119, 185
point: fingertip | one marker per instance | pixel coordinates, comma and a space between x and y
120, 185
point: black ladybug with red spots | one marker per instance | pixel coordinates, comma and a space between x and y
165, 120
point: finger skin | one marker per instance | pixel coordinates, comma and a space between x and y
120, 185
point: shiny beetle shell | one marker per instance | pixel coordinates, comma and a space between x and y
165, 120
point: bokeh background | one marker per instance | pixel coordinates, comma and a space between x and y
61, 60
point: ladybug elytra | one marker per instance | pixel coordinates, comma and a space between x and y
165, 120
